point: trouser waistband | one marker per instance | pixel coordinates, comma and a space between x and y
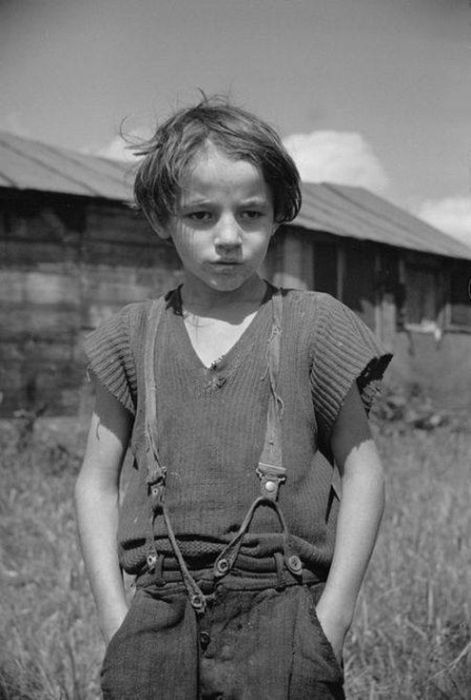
248, 572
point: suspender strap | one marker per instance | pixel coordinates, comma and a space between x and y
148, 456
269, 470
156, 472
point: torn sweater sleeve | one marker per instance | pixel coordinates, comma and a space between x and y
111, 358
344, 351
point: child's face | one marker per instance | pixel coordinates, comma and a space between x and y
223, 222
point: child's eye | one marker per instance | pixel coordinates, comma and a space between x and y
200, 216
251, 214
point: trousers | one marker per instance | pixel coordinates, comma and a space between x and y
248, 645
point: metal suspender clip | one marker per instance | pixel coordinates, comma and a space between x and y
271, 478
156, 486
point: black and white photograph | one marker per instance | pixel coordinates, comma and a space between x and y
235, 349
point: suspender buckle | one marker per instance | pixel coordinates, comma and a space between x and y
156, 486
271, 477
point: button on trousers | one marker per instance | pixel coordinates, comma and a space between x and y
249, 645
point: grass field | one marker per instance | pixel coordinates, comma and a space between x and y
411, 636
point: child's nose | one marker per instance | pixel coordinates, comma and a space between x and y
228, 232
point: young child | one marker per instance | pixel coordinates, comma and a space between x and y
244, 407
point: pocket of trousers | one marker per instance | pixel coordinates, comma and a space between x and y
328, 644
118, 633
325, 647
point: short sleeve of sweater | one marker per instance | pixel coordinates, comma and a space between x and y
345, 350
110, 355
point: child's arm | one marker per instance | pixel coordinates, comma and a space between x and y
96, 501
360, 513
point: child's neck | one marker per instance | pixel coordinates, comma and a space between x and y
215, 323
201, 301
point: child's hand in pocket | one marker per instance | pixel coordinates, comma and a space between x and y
111, 620
334, 628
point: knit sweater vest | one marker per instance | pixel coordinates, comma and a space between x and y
211, 424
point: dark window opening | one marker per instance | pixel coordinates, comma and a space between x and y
460, 296
359, 283
325, 268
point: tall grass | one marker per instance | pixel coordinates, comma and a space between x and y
411, 636
49, 642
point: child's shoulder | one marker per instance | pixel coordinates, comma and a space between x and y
311, 302
137, 312
324, 318
122, 327
135, 309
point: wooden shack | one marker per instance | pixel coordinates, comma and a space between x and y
73, 250
408, 281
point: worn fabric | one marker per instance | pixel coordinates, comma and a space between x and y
249, 645
211, 424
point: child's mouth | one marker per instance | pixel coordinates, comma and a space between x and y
225, 263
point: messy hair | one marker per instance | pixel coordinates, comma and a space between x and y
239, 134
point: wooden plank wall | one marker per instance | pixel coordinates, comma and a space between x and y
66, 263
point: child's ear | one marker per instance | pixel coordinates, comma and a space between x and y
162, 233
156, 225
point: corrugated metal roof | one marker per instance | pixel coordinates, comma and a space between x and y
357, 213
30, 165
345, 211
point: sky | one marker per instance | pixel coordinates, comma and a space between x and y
375, 93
